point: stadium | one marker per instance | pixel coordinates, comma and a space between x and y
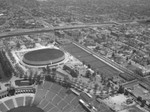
43, 57
51, 56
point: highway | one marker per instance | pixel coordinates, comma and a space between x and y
42, 30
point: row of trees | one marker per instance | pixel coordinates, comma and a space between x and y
122, 90
142, 101
63, 82
6, 65
71, 71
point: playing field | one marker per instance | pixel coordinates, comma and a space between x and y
90, 59
96, 63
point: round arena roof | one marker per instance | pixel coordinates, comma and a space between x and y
43, 57
26, 109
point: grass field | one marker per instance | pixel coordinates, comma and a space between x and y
90, 59
96, 64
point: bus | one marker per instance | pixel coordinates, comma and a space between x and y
89, 107
75, 91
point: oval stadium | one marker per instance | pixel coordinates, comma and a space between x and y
43, 57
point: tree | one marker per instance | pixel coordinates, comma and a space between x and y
18, 45
83, 62
11, 91
96, 88
139, 98
54, 69
143, 103
94, 74
30, 76
73, 74
67, 82
133, 51
89, 66
103, 78
88, 73
44, 69
138, 71
38, 80
25, 77
126, 92
149, 106
48, 78
108, 84
113, 55
48, 69
121, 89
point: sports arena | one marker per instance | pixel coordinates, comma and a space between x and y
43, 57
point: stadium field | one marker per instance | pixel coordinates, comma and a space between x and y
96, 63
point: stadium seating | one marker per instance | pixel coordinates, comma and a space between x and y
61, 104
3, 108
47, 85
56, 100
69, 98
62, 92
39, 95
67, 108
55, 109
20, 101
75, 102
80, 109
28, 100
48, 107
49, 96
9, 103
56, 88
43, 103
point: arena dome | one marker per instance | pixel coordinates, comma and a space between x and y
43, 57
